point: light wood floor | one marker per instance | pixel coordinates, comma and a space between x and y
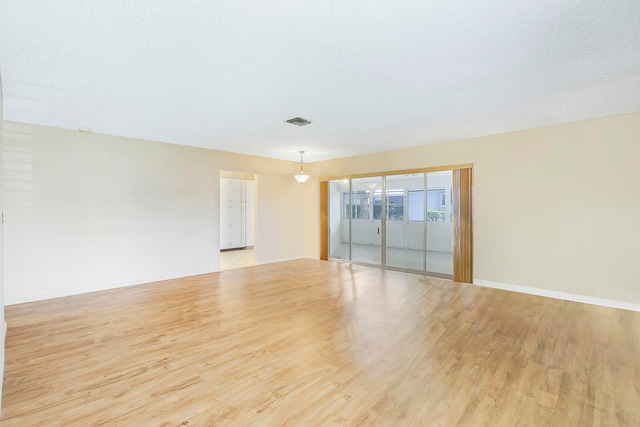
313, 343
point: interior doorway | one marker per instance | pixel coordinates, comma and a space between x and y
238, 201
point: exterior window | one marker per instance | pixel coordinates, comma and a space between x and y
377, 205
359, 205
395, 205
345, 205
436, 204
415, 205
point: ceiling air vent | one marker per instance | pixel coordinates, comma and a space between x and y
298, 121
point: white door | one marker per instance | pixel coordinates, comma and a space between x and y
236, 226
249, 212
236, 213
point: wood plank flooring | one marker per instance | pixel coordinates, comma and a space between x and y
316, 343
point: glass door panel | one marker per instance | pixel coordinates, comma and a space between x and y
366, 228
402, 221
405, 221
440, 222
339, 213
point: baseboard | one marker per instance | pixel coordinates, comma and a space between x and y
273, 261
558, 295
2, 351
70, 292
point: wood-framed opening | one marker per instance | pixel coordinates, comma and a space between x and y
462, 216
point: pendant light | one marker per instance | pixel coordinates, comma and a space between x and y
301, 177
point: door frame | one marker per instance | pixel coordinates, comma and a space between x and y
462, 216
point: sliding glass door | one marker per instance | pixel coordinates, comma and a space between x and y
419, 232
338, 215
405, 218
439, 222
401, 221
355, 220
366, 222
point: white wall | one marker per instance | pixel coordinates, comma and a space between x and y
578, 246
3, 325
87, 212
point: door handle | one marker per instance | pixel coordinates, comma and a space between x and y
378, 230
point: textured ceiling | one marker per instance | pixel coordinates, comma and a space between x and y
371, 75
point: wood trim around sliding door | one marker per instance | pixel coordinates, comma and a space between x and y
463, 225
324, 220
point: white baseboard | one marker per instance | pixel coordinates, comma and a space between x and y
558, 295
273, 261
2, 346
11, 300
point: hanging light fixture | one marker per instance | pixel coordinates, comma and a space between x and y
301, 177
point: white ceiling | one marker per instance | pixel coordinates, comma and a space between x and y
372, 75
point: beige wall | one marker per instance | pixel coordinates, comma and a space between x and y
86, 212
237, 175
556, 208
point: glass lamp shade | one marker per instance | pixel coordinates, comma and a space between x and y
301, 177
